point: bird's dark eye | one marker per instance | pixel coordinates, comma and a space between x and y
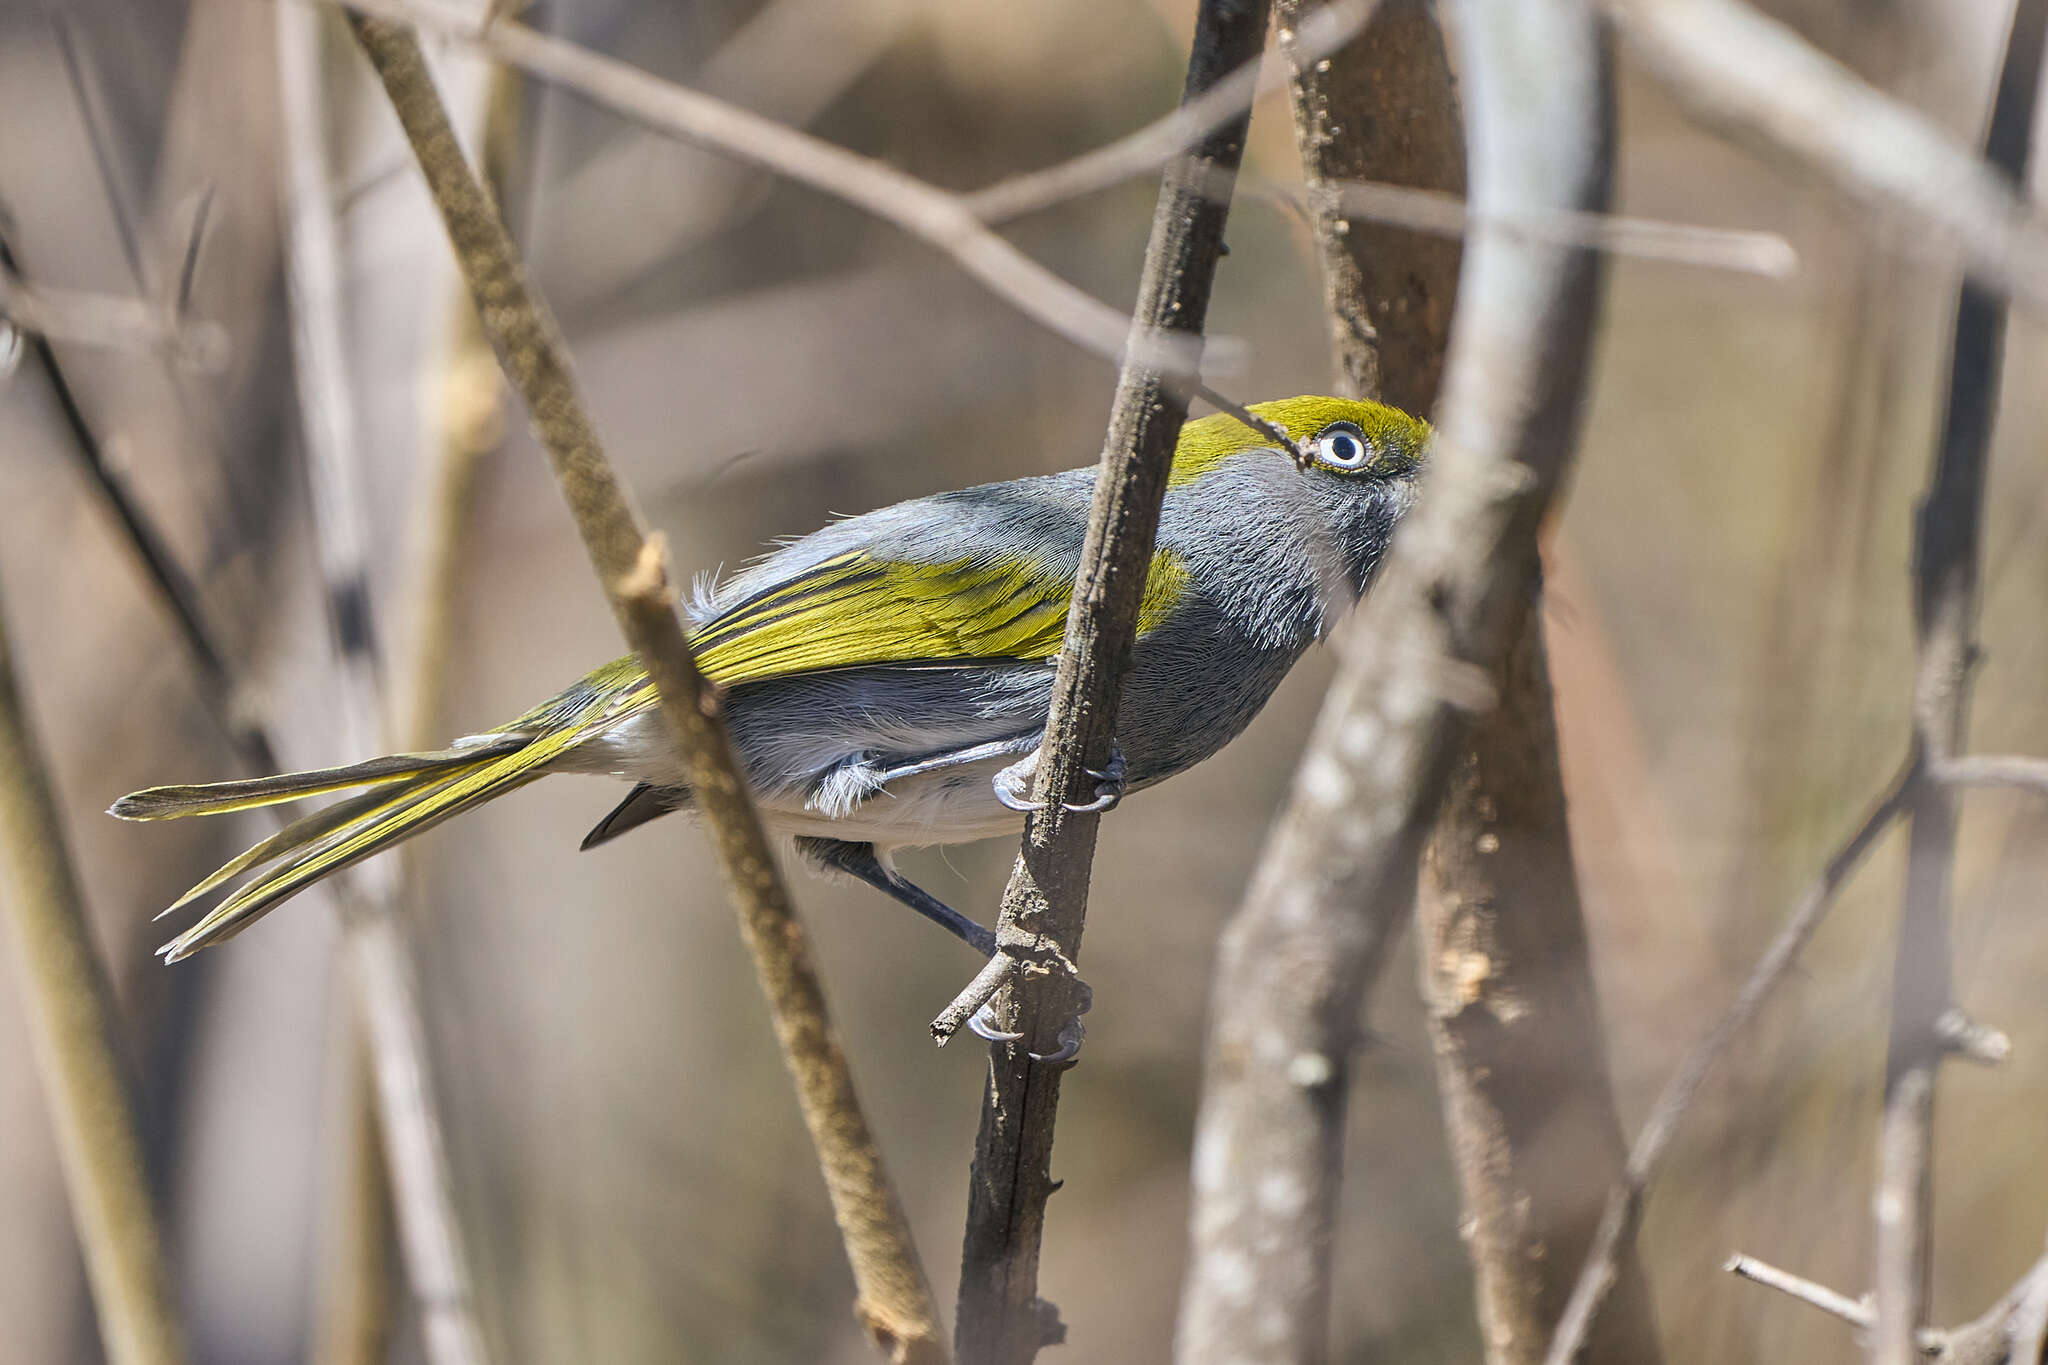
1342, 447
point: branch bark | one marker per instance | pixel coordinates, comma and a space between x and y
78, 1052
1000, 1319
895, 1303
1945, 600
1515, 1021
1338, 873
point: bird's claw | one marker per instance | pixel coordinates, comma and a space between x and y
1013, 785
982, 1023
1109, 785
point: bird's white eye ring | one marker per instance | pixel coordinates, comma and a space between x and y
1343, 446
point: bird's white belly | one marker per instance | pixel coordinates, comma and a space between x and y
948, 806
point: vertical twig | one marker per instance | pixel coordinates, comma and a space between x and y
422, 1187
895, 1303
1945, 599
1338, 873
78, 1052
1000, 1318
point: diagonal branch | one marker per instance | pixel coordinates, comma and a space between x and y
1734, 69
1624, 1210
1000, 1318
895, 1303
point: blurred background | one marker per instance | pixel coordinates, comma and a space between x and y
1729, 620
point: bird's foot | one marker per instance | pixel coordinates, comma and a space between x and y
1013, 785
983, 1024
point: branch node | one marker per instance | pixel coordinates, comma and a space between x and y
1973, 1042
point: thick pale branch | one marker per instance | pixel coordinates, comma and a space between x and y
895, 1303
1338, 873
408, 1111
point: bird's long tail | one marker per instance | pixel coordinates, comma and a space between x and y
408, 793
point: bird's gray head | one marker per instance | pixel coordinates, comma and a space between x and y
1362, 464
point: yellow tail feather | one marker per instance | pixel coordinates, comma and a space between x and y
410, 794
219, 798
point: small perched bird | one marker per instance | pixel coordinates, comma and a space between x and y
887, 678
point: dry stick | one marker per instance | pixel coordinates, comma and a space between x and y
1855, 1312
895, 1303
1734, 69
1623, 1213
416, 1158
1946, 574
109, 320
1000, 1318
1338, 872
1993, 770
2007, 1333
78, 1051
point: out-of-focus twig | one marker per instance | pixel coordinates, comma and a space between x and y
78, 1053
109, 320
422, 1187
926, 212
1735, 69
1001, 1320
1855, 1312
895, 1303
1623, 1213
1338, 873
2015, 771
160, 568
2007, 1333
1310, 33
1947, 549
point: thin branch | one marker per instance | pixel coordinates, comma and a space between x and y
895, 1303
108, 320
1000, 1319
1310, 34
1856, 1312
1649, 239
77, 1035
1338, 873
1619, 1220
1947, 551
1734, 69
1987, 770
387, 991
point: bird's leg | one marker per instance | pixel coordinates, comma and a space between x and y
1013, 784
860, 860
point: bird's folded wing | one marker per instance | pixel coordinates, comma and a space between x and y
856, 609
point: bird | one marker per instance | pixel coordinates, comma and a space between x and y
887, 678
